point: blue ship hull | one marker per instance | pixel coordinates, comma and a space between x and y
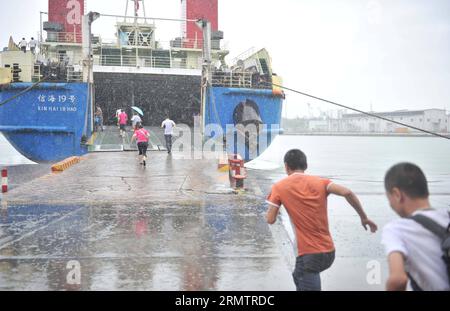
220, 110
47, 123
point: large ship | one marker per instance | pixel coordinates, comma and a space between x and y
47, 99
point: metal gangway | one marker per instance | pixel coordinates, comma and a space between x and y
109, 140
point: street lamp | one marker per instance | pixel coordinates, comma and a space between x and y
93, 16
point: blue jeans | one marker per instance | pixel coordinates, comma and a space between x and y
307, 270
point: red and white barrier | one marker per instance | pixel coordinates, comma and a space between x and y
237, 172
4, 181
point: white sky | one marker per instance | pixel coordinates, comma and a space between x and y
391, 54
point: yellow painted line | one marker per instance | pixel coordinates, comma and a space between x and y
65, 164
224, 168
92, 139
223, 165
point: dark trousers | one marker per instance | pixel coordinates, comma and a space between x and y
142, 147
307, 270
24, 49
168, 142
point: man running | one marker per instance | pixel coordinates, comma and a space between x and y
142, 136
168, 126
305, 199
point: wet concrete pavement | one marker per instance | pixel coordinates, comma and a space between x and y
360, 262
20, 174
174, 225
135, 247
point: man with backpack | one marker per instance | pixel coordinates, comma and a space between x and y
417, 244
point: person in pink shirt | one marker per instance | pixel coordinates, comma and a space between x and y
123, 119
142, 137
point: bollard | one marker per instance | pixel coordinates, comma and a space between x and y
4, 181
237, 171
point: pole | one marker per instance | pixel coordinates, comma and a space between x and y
40, 29
206, 68
4, 181
88, 62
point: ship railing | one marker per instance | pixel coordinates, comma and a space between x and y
36, 75
57, 71
235, 79
241, 79
195, 44
74, 75
244, 55
144, 61
185, 43
178, 43
64, 37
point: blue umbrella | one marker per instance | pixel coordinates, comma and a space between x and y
138, 110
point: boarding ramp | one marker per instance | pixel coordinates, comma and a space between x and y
109, 140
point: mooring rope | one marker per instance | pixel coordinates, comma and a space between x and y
359, 111
23, 92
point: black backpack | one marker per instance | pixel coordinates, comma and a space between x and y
442, 232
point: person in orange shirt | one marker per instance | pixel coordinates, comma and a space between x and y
305, 199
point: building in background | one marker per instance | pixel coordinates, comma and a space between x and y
434, 120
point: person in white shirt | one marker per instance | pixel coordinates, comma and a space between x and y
135, 120
168, 126
414, 252
118, 112
33, 44
23, 45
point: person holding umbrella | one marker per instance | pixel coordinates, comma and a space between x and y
136, 118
